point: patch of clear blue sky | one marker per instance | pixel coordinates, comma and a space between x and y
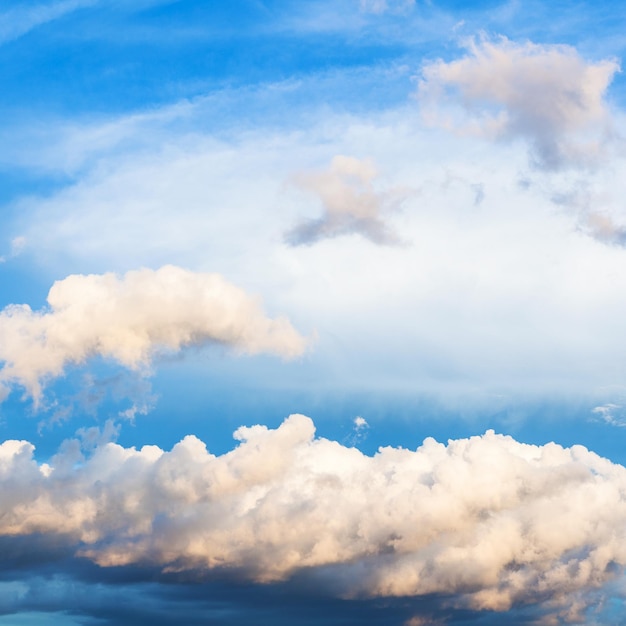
201, 396
111, 58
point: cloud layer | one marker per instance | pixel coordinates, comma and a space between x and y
352, 205
488, 521
546, 94
129, 319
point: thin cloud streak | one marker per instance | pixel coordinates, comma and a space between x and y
379, 7
17, 22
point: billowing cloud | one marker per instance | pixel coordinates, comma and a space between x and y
352, 204
488, 522
546, 94
129, 319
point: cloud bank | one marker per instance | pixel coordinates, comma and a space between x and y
131, 318
487, 521
546, 94
352, 204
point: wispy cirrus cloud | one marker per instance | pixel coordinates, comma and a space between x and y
545, 94
20, 20
129, 319
487, 522
17, 246
384, 6
610, 413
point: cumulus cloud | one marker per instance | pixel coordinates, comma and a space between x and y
129, 319
546, 94
486, 521
352, 204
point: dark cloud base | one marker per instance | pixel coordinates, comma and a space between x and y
54, 583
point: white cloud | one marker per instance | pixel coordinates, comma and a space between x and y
488, 521
17, 247
360, 423
546, 94
610, 413
129, 319
352, 205
498, 291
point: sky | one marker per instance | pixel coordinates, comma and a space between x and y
311, 312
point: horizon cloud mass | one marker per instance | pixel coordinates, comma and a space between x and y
488, 522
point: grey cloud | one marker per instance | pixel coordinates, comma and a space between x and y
595, 222
603, 227
351, 202
67, 591
546, 94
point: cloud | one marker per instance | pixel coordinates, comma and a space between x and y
383, 6
131, 318
598, 208
539, 323
18, 21
610, 413
352, 205
360, 423
547, 95
359, 432
17, 247
486, 521
603, 227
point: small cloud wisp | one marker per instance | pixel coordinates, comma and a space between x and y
352, 204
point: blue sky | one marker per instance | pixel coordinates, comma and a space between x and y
343, 231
